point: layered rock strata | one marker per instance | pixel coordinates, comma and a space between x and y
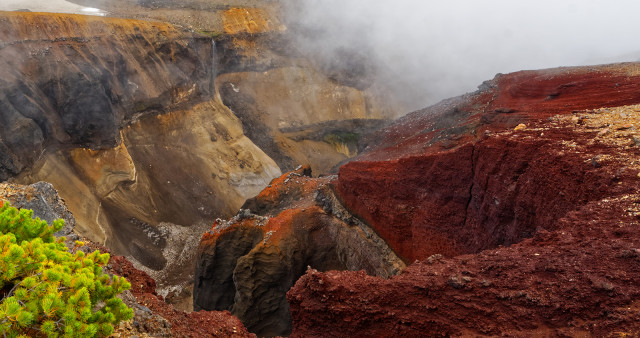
282, 95
519, 203
127, 119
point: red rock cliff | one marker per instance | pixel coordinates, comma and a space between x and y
441, 171
530, 185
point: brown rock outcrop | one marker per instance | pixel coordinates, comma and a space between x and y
247, 264
125, 129
72, 79
530, 184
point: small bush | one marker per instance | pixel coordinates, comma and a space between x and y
48, 290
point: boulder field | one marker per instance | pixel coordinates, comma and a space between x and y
516, 209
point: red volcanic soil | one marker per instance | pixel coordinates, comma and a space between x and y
442, 171
183, 324
519, 206
504, 102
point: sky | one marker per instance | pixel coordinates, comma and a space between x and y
431, 50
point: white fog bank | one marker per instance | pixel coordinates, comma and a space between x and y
430, 50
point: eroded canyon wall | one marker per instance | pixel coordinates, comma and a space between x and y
119, 115
503, 202
150, 131
71, 79
295, 109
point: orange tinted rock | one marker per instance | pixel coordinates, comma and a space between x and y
246, 264
250, 20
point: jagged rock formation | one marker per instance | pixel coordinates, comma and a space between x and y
247, 264
530, 184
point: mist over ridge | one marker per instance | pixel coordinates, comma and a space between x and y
425, 51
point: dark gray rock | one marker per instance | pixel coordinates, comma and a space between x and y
43, 199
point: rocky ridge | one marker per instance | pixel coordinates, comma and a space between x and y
247, 264
524, 224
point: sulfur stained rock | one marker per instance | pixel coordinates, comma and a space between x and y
250, 20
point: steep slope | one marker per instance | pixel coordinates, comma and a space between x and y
530, 184
506, 201
441, 163
180, 167
119, 116
294, 109
71, 79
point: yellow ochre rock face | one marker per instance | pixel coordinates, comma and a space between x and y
31, 26
250, 20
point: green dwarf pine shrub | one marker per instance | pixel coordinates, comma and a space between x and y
48, 290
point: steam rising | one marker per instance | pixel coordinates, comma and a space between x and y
429, 50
